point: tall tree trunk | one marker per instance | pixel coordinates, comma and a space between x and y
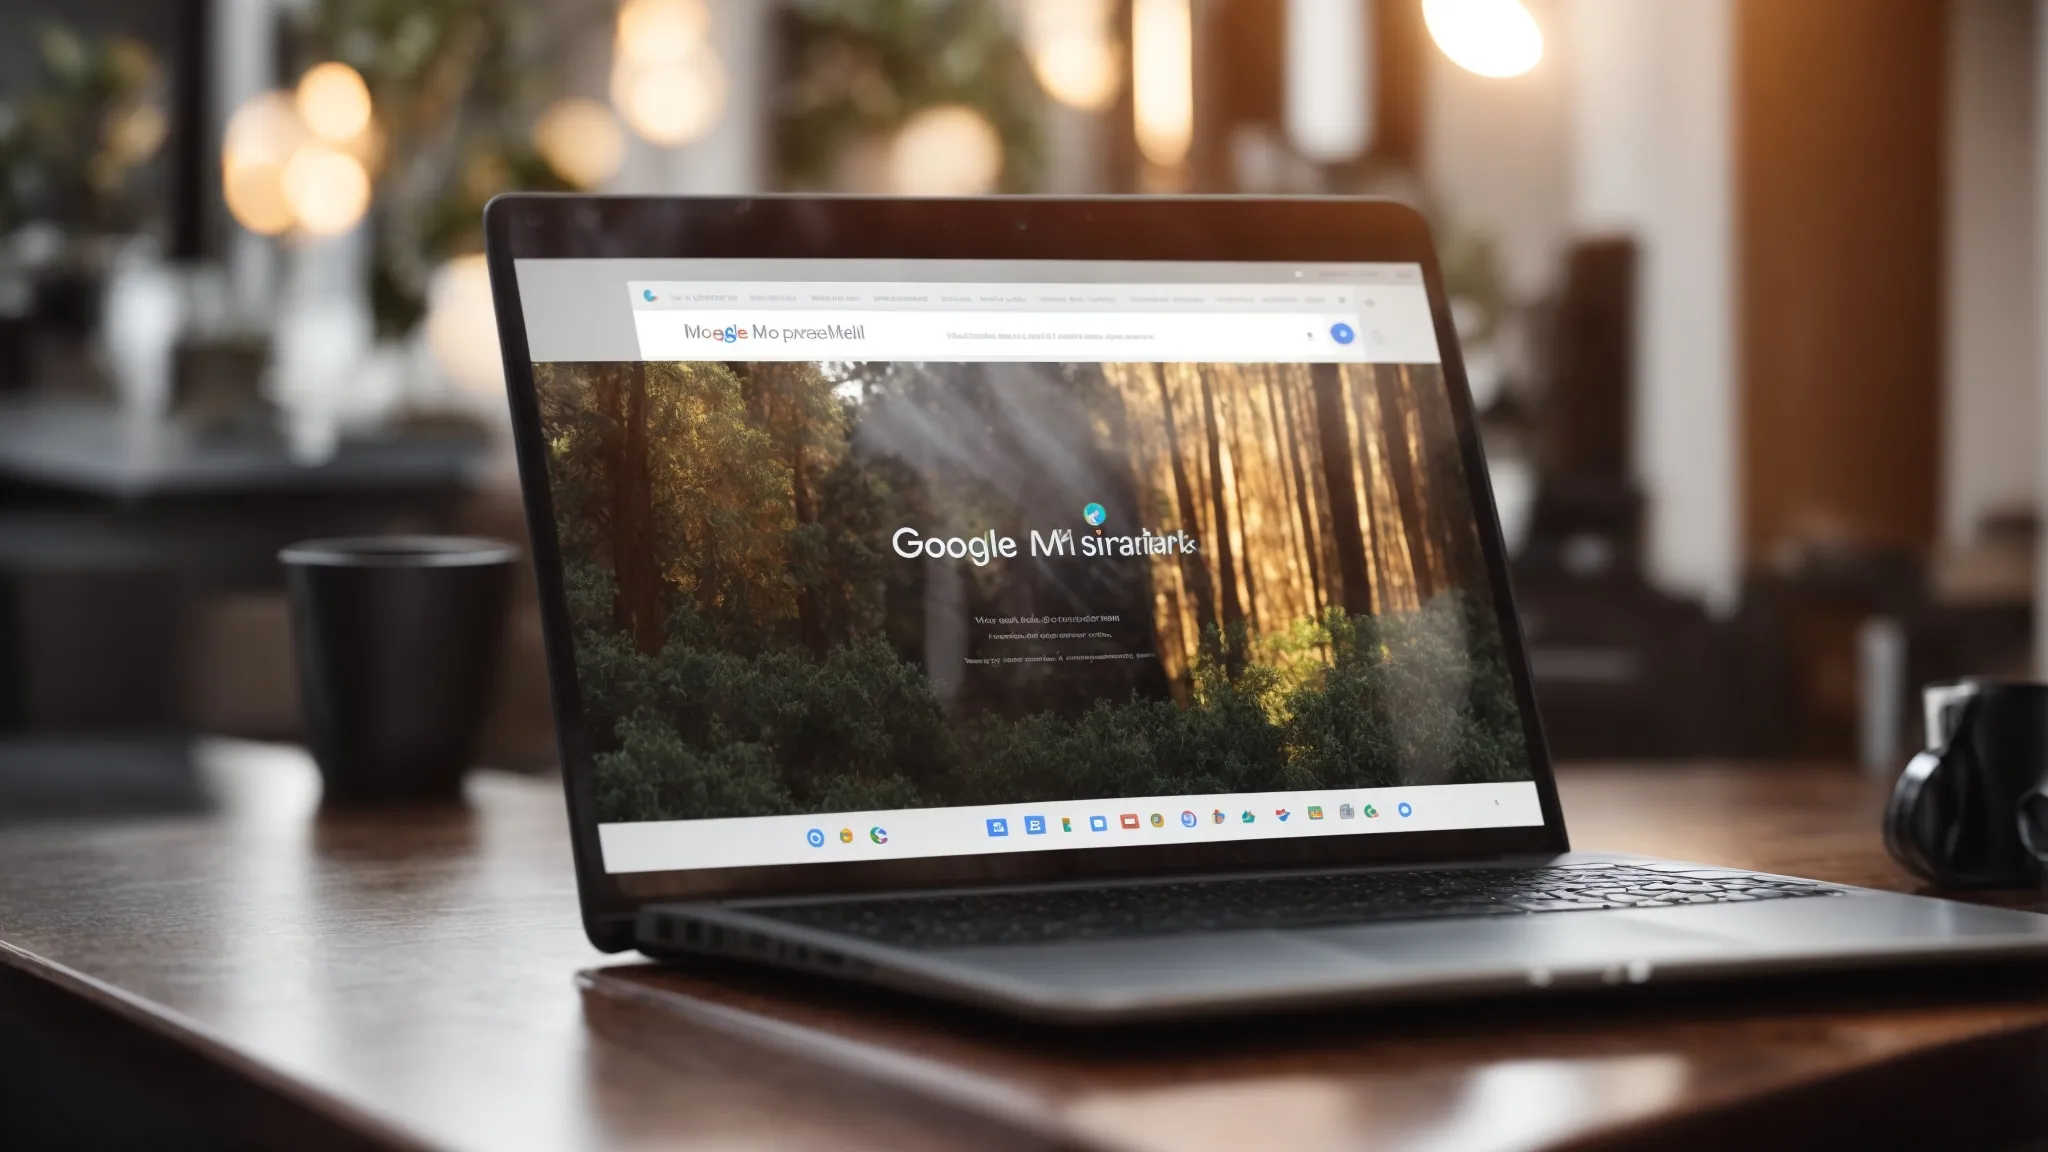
1403, 469
1451, 498
1194, 569
632, 491
1228, 602
1346, 525
1305, 519
793, 430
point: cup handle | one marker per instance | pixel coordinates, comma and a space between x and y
1911, 834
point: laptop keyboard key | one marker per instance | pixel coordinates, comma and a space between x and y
1272, 902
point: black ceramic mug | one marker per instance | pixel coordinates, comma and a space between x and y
1972, 810
397, 641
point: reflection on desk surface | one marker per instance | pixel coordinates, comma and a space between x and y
412, 978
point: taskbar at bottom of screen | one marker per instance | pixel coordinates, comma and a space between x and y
844, 837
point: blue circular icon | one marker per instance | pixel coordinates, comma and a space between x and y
1404, 809
647, 294
1095, 515
1187, 820
815, 837
1342, 333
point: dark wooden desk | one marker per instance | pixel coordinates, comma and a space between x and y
258, 975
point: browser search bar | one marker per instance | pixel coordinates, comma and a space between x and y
1068, 337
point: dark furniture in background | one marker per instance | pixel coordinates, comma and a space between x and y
115, 534
179, 33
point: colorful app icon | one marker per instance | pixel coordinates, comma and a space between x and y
1216, 817
1066, 824
1371, 813
1247, 817
1094, 514
1128, 819
997, 826
1189, 820
1098, 823
1315, 811
1158, 821
1405, 810
1034, 825
1346, 812
815, 837
846, 835
1281, 814
878, 834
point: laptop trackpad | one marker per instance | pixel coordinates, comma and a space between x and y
1555, 943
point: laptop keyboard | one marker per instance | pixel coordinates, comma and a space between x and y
1280, 902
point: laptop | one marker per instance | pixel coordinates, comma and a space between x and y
1091, 610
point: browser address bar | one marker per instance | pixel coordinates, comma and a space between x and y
1249, 337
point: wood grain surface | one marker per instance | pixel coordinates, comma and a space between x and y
264, 973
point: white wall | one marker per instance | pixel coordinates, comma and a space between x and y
732, 158
1497, 154
1653, 157
1990, 452
1624, 127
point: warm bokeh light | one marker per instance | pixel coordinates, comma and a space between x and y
1498, 38
661, 31
581, 140
1162, 79
1079, 72
670, 103
266, 129
261, 136
462, 329
255, 196
949, 150
328, 190
135, 133
334, 102
1073, 52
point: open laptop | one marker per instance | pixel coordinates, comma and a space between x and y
1087, 609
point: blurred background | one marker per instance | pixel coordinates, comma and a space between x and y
1750, 293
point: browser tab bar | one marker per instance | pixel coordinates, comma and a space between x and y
1082, 322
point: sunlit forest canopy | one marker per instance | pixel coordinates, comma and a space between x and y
749, 642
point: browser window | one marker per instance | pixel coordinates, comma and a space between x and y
886, 559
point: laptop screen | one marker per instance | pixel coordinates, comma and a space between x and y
873, 560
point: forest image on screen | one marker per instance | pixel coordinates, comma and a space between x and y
831, 587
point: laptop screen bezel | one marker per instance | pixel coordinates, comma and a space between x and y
1304, 230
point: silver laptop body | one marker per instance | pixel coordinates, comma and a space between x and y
1086, 609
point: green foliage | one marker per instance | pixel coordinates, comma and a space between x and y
1409, 699
457, 85
75, 148
1401, 703
861, 68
